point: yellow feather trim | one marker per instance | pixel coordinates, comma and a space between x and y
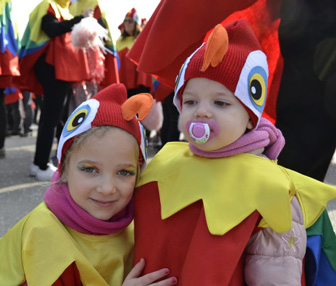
232, 188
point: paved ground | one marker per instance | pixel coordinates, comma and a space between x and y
20, 193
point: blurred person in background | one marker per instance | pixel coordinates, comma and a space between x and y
48, 64
306, 104
135, 81
105, 58
13, 101
27, 101
9, 64
169, 130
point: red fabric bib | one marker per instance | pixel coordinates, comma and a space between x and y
184, 244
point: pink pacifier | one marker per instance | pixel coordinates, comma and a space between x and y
199, 131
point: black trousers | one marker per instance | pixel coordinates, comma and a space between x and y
140, 89
55, 93
310, 135
29, 113
14, 118
169, 131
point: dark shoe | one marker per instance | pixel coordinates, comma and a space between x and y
16, 133
2, 153
26, 134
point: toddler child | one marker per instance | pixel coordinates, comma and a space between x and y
82, 234
219, 208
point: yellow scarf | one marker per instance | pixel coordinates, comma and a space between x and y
61, 8
63, 3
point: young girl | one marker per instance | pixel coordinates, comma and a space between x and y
82, 234
219, 208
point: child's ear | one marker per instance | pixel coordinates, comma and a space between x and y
249, 124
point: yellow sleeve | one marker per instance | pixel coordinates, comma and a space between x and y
11, 268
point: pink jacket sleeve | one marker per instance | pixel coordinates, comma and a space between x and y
273, 258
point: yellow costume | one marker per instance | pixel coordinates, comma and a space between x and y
39, 248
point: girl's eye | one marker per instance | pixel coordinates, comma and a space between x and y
87, 169
221, 103
189, 102
126, 173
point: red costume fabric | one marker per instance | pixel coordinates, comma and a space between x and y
12, 95
70, 277
111, 71
187, 30
128, 73
9, 68
161, 91
188, 227
9, 61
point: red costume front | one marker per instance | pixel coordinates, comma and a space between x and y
128, 73
163, 241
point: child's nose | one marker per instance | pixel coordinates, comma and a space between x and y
107, 186
203, 111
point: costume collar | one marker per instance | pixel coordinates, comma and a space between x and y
125, 43
232, 188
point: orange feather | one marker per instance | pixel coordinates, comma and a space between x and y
139, 104
216, 47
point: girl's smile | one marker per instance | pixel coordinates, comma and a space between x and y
101, 174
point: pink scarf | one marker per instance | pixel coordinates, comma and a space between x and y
59, 201
266, 136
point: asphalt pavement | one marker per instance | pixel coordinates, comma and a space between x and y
19, 193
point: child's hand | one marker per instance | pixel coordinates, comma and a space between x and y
133, 278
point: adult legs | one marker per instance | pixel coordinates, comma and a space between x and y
169, 131
310, 141
55, 92
28, 120
16, 117
38, 103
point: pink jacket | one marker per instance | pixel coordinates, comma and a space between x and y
271, 254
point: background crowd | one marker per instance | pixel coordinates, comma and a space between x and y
56, 64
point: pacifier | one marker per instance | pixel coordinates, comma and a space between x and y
199, 131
